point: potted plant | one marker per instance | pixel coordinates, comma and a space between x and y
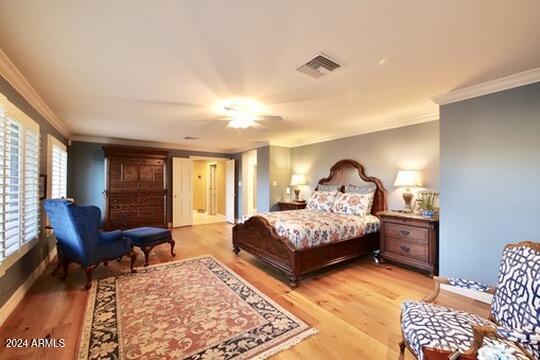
425, 203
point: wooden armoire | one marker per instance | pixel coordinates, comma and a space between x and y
135, 188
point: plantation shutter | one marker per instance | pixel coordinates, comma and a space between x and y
59, 172
19, 175
12, 187
31, 186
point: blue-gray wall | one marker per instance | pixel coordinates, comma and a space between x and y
19, 272
382, 153
86, 172
490, 187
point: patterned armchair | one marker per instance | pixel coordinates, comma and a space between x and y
80, 241
436, 332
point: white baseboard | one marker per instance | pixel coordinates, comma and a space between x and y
473, 294
18, 295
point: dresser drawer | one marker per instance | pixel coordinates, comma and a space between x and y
123, 200
123, 214
409, 248
403, 231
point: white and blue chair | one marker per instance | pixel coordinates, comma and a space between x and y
513, 325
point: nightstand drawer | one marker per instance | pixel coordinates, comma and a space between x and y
406, 232
410, 240
409, 248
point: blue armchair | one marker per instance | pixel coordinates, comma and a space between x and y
79, 239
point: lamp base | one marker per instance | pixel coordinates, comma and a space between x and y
297, 195
407, 197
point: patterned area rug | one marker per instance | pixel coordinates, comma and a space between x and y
189, 309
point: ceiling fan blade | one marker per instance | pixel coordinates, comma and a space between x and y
270, 118
207, 124
260, 127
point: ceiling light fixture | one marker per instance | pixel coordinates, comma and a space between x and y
241, 123
241, 112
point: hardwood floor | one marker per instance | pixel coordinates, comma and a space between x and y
355, 306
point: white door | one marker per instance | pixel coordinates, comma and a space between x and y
229, 188
182, 192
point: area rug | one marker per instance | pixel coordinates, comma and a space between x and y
190, 309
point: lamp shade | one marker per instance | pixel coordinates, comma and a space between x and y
406, 178
298, 180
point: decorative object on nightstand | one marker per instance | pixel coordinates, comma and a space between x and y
407, 179
425, 203
297, 181
410, 240
291, 205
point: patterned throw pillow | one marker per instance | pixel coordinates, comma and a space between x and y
353, 204
323, 187
365, 188
321, 200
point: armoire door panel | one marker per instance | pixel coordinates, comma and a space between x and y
136, 193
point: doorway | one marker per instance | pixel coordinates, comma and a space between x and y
203, 191
209, 191
213, 191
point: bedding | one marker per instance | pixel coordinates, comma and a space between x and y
353, 204
367, 188
310, 228
323, 187
322, 200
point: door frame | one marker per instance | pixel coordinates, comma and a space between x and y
214, 158
209, 204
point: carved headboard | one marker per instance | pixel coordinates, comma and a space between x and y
350, 172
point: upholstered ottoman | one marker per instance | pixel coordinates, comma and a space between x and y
148, 237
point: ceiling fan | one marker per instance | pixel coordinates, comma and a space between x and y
239, 113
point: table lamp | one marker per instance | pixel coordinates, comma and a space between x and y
407, 179
297, 181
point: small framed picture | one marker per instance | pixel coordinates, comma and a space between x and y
42, 186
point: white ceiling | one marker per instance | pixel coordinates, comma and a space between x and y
120, 69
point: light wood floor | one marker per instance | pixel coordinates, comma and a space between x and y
355, 306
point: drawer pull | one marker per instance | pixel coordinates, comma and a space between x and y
404, 249
404, 232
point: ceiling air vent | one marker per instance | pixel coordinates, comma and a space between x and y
319, 66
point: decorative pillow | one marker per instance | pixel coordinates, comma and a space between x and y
353, 204
321, 200
322, 187
366, 188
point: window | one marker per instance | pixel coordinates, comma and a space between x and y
58, 171
19, 179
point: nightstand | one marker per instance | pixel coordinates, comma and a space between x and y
410, 240
291, 205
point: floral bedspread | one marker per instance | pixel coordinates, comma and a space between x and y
310, 228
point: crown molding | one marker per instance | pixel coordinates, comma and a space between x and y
9, 71
392, 123
150, 144
258, 145
504, 83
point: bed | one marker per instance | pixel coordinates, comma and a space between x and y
263, 236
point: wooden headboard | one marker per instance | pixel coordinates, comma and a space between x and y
350, 172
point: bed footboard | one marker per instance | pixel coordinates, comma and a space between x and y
257, 237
